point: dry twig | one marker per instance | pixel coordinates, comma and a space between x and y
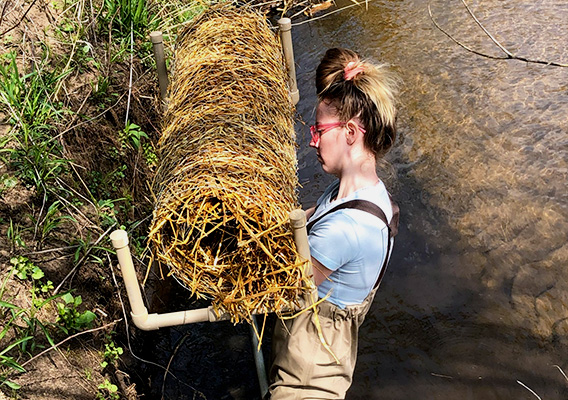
55, 346
19, 21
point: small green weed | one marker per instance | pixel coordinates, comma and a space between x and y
7, 182
107, 212
24, 321
14, 234
101, 89
107, 391
70, 318
124, 16
9, 364
51, 221
111, 354
27, 97
150, 154
132, 135
24, 268
38, 164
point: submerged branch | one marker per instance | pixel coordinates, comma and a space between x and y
509, 55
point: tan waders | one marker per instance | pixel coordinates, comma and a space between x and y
302, 367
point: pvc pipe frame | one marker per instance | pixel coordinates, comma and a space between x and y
285, 25
158, 46
145, 321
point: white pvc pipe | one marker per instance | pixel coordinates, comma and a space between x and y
158, 46
298, 224
285, 25
139, 312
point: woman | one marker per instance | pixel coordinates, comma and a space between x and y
350, 229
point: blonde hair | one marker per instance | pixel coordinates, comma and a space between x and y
362, 90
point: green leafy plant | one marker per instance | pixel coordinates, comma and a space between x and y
123, 16
24, 268
101, 88
7, 182
93, 252
107, 211
107, 391
70, 318
27, 97
51, 221
8, 363
132, 135
14, 234
44, 287
38, 163
24, 321
150, 154
111, 354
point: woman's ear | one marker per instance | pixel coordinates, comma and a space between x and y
351, 132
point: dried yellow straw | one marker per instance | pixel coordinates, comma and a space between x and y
227, 179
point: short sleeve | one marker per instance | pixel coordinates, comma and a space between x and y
333, 241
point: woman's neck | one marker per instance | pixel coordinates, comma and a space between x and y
360, 175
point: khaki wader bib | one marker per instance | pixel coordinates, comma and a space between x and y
302, 368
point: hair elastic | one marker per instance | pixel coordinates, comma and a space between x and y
351, 71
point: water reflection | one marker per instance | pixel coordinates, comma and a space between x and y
474, 299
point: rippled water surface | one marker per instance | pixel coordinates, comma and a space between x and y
476, 293
475, 297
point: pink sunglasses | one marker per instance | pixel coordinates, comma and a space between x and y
319, 129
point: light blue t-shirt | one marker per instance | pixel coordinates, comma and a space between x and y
352, 243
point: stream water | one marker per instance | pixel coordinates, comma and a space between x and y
473, 305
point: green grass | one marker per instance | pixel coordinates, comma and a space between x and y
55, 96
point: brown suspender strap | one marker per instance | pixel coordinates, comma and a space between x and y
371, 208
368, 206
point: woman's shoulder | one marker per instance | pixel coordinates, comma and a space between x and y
377, 194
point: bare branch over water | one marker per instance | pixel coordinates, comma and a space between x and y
508, 56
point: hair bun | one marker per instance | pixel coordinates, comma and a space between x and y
352, 69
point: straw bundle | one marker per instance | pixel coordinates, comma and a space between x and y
227, 179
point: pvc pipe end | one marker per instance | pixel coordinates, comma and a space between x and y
119, 239
298, 218
295, 95
156, 37
285, 24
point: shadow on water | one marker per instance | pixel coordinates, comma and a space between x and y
411, 349
206, 360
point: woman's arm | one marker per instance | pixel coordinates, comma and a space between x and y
309, 212
320, 272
